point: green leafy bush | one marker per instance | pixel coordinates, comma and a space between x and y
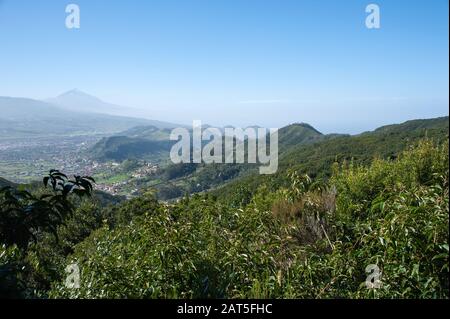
305, 239
292, 237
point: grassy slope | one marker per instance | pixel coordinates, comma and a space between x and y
316, 159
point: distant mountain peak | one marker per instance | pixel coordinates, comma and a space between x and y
306, 126
77, 100
75, 90
77, 93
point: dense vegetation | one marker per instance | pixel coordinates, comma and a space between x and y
175, 180
306, 239
339, 207
317, 159
301, 147
120, 148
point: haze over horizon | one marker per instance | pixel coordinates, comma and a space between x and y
234, 62
74, 95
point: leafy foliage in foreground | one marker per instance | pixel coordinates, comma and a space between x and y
39, 228
24, 214
304, 240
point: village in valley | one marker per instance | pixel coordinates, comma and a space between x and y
28, 160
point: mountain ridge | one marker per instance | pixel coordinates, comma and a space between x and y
77, 100
313, 156
25, 117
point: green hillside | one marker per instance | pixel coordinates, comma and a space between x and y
297, 134
302, 148
152, 143
120, 148
379, 198
191, 178
317, 159
385, 142
149, 132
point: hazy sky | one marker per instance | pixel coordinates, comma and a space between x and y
241, 62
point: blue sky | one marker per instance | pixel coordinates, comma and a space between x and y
241, 62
